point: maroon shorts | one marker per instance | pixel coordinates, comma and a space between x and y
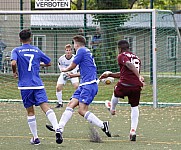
133, 93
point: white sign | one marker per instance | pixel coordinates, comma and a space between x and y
52, 4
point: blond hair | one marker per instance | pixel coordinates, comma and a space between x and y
68, 46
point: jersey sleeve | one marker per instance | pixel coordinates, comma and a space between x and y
122, 59
60, 63
13, 55
78, 57
45, 58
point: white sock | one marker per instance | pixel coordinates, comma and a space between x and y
59, 97
52, 118
32, 126
93, 119
134, 117
67, 114
114, 102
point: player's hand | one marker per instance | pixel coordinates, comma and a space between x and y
104, 75
66, 76
15, 75
142, 80
70, 74
63, 70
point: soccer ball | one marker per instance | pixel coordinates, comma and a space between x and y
107, 80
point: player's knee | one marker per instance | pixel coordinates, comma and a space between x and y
58, 88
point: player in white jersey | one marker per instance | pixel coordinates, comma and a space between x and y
64, 61
27, 58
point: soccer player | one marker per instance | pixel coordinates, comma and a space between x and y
87, 89
130, 84
63, 62
27, 59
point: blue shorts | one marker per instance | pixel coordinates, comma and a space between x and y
86, 93
33, 97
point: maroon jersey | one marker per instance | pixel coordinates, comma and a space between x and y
126, 75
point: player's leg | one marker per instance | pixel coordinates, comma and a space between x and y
75, 82
134, 99
86, 98
134, 122
28, 101
93, 119
67, 114
59, 88
32, 125
50, 115
53, 120
42, 101
118, 93
111, 105
60, 83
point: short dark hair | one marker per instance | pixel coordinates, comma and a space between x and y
25, 34
81, 39
123, 45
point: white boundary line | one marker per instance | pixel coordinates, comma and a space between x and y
100, 102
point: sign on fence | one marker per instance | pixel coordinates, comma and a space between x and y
52, 4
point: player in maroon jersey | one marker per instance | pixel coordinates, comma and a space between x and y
130, 84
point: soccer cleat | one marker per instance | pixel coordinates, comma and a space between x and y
35, 141
108, 106
59, 105
132, 135
50, 127
58, 135
106, 128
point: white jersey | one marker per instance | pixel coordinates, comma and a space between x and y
63, 62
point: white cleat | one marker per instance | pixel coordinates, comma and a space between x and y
108, 106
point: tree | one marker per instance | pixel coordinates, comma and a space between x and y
158, 4
108, 24
76, 4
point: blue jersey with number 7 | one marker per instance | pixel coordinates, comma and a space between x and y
28, 60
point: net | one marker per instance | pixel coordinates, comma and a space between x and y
152, 34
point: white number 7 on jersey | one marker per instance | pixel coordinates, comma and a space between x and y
30, 61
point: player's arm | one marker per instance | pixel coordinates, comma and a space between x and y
114, 75
59, 66
69, 68
132, 67
13, 66
73, 75
45, 65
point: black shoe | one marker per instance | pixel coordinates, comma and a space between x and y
106, 128
132, 135
50, 127
59, 105
59, 138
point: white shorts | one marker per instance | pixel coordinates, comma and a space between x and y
62, 81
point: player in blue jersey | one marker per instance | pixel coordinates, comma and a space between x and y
27, 59
87, 89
